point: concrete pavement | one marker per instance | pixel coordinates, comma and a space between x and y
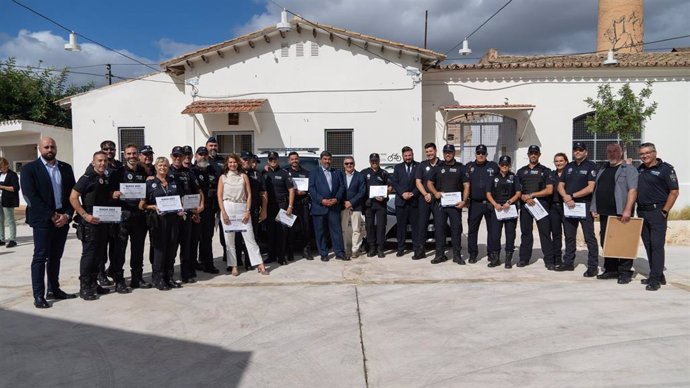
371, 322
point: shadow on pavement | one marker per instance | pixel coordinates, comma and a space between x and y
39, 352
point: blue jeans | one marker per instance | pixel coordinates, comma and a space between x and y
49, 244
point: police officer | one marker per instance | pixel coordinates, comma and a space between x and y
133, 225
375, 208
146, 159
503, 192
281, 195
259, 205
657, 191
576, 186
448, 177
301, 210
219, 163
536, 184
93, 189
202, 232
556, 213
426, 200
163, 227
406, 200
481, 173
187, 185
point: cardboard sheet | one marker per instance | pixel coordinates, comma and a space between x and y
622, 240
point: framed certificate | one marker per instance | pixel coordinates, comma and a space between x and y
169, 204
537, 210
301, 184
378, 191
507, 214
235, 225
191, 201
286, 219
579, 211
108, 214
622, 240
451, 199
133, 190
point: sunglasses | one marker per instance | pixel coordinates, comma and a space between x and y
348, 163
481, 153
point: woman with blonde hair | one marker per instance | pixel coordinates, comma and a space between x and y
234, 193
9, 199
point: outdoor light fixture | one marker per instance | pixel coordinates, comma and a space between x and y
72, 45
610, 59
284, 25
465, 50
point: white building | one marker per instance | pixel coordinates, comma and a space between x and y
324, 87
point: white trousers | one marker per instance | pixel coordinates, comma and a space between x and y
352, 224
236, 210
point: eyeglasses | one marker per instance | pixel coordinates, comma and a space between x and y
348, 163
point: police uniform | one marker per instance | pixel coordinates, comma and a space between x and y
202, 231
278, 186
374, 210
532, 180
653, 188
448, 178
257, 187
502, 189
480, 177
302, 211
133, 227
424, 171
163, 229
187, 184
556, 218
94, 190
576, 177
218, 162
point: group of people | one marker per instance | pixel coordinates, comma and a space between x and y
179, 201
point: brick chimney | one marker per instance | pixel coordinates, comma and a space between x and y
620, 26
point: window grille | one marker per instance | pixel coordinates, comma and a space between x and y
597, 143
314, 49
284, 50
133, 135
299, 49
339, 143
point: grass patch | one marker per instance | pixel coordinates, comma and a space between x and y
681, 214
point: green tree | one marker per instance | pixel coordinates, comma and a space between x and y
623, 115
30, 94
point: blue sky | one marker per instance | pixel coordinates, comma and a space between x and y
153, 31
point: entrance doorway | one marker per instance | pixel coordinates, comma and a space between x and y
498, 133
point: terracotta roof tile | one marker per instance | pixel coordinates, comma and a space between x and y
224, 106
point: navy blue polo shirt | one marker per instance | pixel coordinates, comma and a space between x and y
577, 176
654, 183
449, 178
187, 182
155, 189
375, 178
425, 171
277, 183
127, 175
534, 179
94, 190
480, 177
502, 188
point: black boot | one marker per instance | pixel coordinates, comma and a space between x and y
494, 260
138, 281
159, 282
509, 260
103, 280
307, 254
97, 289
170, 281
380, 253
85, 290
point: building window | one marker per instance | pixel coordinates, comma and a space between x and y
467, 131
233, 119
130, 135
597, 143
314, 49
339, 143
299, 49
284, 50
234, 142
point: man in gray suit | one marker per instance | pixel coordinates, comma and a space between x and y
614, 195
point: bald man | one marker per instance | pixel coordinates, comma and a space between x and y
47, 183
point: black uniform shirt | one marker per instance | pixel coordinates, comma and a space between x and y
555, 197
425, 171
375, 178
257, 186
218, 163
503, 188
208, 183
155, 189
299, 173
480, 177
606, 185
125, 175
187, 182
94, 190
110, 168
577, 176
277, 184
534, 179
449, 178
654, 183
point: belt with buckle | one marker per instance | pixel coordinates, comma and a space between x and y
653, 206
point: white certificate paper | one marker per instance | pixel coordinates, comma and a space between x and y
378, 191
169, 204
191, 201
537, 210
286, 219
235, 225
133, 190
451, 199
108, 214
579, 211
507, 214
301, 184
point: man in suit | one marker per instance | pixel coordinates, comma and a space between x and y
47, 184
406, 200
327, 191
351, 215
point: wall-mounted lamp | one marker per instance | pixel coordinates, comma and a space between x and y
284, 25
610, 59
465, 50
72, 45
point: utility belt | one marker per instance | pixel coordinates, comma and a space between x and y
482, 201
653, 206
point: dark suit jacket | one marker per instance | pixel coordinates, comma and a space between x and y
357, 190
10, 198
402, 183
38, 192
318, 190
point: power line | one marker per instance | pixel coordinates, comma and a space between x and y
67, 71
480, 26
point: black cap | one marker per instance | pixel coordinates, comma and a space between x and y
188, 150
448, 148
374, 156
579, 144
247, 155
177, 151
534, 148
480, 148
505, 159
212, 139
272, 155
147, 149
202, 150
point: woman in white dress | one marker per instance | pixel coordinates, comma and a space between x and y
234, 193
